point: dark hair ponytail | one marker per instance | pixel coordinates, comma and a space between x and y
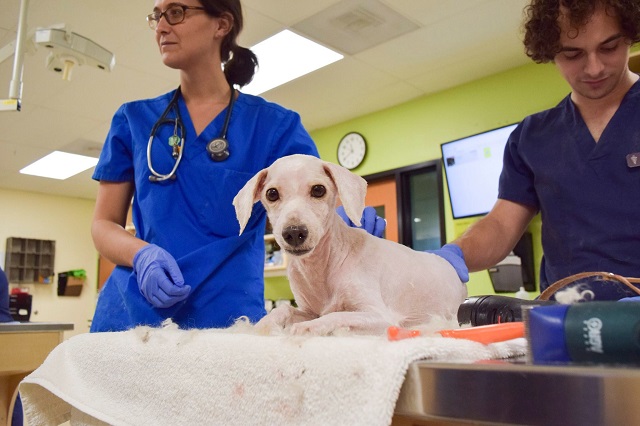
241, 66
239, 62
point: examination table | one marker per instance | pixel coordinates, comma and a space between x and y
171, 376
167, 376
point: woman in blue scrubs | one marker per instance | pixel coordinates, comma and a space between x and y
186, 261
574, 163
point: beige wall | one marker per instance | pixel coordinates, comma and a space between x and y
67, 221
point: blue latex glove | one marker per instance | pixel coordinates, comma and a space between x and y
630, 299
370, 222
159, 277
452, 253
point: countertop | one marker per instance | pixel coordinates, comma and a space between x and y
15, 326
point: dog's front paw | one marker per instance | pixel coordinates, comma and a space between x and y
268, 325
313, 328
275, 321
302, 328
265, 329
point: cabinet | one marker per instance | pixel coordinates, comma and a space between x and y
275, 259
29, 260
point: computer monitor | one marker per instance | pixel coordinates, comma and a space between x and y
472, 168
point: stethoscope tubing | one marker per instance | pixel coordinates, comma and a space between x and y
173, 104
159, 177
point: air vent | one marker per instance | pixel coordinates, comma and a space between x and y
353, 26
357, 20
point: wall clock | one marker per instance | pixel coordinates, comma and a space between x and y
352, 149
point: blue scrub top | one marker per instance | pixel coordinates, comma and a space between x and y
588, 196
192, 217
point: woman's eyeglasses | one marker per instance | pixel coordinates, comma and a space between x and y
173, 15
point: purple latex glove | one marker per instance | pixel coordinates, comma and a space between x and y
452, 253
370, 222
630, 299
159, 278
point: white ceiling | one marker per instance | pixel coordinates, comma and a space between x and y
456, 41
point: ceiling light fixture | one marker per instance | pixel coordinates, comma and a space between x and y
285, 57
60, 165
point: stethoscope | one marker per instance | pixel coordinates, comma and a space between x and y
217, 148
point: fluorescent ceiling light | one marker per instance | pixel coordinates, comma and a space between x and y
60, 165
285, 57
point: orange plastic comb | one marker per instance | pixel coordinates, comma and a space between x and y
488, 333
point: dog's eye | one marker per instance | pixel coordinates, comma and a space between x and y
318, 191
272, 194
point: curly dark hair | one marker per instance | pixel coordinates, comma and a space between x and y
542, 32
239, 62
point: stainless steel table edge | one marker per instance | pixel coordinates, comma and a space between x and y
519, 393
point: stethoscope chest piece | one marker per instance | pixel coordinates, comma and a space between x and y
218, 149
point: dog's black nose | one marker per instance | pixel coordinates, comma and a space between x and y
295, 235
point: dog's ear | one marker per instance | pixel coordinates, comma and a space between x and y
351, 189
247, 197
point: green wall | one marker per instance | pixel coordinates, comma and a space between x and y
412, 132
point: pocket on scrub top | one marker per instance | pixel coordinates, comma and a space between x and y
215, 208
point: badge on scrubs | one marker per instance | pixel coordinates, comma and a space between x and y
633, 159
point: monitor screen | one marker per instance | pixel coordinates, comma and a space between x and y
472, 168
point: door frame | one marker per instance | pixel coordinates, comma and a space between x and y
401, 176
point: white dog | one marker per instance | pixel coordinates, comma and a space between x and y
343, 277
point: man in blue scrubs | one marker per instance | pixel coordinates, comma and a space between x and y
578, 164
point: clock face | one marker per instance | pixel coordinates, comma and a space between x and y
351, 150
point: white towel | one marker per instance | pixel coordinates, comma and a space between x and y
210, 377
